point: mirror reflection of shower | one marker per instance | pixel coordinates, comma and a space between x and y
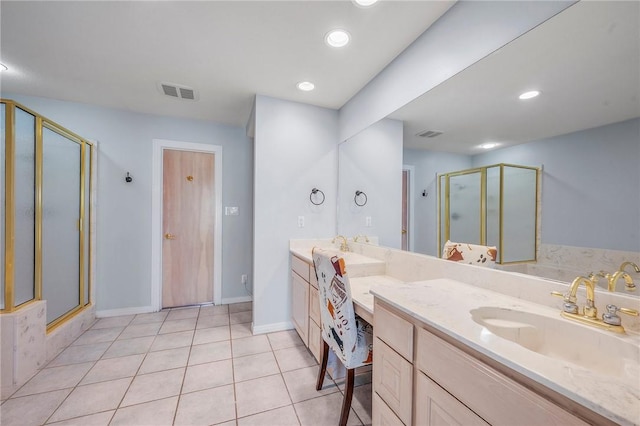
494, 205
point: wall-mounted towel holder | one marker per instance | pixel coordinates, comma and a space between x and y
313, 197
358, 196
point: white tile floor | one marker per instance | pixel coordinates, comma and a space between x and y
189, 366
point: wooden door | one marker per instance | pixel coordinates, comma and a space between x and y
188, 213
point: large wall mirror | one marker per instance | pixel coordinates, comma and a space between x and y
583, 131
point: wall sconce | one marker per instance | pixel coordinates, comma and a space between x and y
313, 197
128, 178
359, 197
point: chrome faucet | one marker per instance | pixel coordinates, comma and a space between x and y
343, 244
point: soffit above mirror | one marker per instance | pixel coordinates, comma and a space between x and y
585, 61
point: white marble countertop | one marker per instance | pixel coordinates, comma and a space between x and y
350, 258
357, 265
446, 304
363, 298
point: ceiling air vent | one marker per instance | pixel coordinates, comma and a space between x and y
429, 134
178, 91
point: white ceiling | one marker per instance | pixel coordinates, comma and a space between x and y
114, 53
585, 60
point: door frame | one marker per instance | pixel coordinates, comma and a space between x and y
412, 203
159, 145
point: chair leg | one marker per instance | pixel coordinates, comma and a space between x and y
323, 364
348, 395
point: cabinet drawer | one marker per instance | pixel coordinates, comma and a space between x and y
394, 331
435, 406
314, 304
381, 414
393, 380
315, 339
490, 394
300, 267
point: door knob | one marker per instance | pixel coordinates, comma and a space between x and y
169, 236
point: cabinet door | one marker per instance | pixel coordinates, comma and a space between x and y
435, 406
300, 308
393, 379
315, 339
314, 304
382, 415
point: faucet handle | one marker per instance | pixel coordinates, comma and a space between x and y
628, 311
611, 317
569, 304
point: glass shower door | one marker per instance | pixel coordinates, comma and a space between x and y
61, 191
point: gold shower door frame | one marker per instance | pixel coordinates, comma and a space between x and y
444, 200
10, 210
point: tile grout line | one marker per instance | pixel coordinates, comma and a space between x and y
186, 367
94, 364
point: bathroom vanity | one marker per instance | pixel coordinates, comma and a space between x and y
363, 273
458, 344
434, 364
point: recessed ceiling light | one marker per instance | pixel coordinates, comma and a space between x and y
488, 145
337, 38
306, 86
365, 3
3, 67
529, 95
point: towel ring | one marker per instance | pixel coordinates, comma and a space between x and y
355, 198
315, 191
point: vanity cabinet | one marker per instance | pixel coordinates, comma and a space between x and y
300, 308
421, 378
392, 367
305, 305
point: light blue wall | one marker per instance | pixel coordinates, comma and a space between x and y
427, 165
295, 151
124, 210
590, 185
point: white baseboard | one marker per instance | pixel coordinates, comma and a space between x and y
124, 311
270, 328
230, 300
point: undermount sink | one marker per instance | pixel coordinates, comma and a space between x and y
560, 339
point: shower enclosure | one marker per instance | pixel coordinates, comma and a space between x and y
495, 205
46, 173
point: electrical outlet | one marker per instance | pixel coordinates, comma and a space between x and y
243, 278
231, 211
367, 221
300, 221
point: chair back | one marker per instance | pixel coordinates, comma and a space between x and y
346, 334
472, 254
